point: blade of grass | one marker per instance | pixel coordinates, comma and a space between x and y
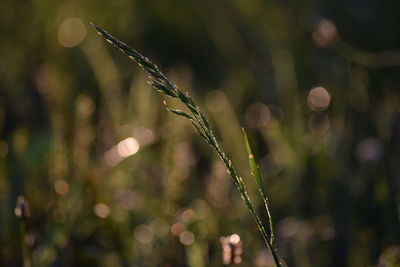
257, 176
161, 83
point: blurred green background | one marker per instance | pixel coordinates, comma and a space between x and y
112, 179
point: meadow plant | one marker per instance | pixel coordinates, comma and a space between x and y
199, 121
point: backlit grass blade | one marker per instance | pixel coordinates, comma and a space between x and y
256, 174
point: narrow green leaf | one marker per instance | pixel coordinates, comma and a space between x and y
256, 174
253, 165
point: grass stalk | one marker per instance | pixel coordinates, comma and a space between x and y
162, 84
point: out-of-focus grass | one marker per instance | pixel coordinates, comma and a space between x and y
330, 154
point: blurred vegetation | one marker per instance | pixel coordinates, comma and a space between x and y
112, 179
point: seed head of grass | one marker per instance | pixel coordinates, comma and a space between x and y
199, 121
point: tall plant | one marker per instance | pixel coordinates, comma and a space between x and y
199, 121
